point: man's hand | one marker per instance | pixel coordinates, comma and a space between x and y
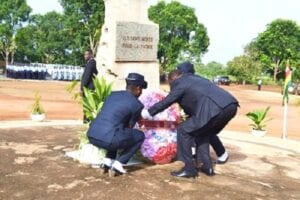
146, 114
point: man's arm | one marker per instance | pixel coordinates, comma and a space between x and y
88, 74
135, 116
175, 94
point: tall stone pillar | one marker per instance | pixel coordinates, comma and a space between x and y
128, 43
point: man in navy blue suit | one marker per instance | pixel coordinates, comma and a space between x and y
215, 142
113, 127
209, 108
90, 71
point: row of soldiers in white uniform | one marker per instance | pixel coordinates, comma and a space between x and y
44, 71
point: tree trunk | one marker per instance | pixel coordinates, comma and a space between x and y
7, 57
12, 59
276, 70
46, 58
92, 44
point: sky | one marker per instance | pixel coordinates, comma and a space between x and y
231, 24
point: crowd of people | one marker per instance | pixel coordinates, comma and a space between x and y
37, 71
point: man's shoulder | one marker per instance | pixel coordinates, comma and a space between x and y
183, 81
196, 78
127, 96
121, 94
126, 99
91, 63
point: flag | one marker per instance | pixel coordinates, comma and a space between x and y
287, 83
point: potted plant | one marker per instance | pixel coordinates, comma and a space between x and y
258, 118
37, 113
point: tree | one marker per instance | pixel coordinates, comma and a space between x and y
84, 19
181, 35
280, 42
13, 13
26, 44
211, 69
244, 68
44, 39
296, 71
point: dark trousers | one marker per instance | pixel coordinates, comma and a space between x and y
85, 118
202, 136
259, 87
128, 140
216, 144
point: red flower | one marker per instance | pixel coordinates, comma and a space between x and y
165, 155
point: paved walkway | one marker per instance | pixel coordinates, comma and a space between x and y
287, 144
231, 136
47, 123
267, 141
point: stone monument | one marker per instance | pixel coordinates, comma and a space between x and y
128, 43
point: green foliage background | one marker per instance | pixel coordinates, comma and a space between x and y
63, 37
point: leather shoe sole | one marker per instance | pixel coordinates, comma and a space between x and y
184, 174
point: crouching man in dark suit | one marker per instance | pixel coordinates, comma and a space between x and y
113, 127
209, 108
215, 142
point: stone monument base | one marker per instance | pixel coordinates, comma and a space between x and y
129, 43
120, 71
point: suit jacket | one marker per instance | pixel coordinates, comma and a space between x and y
121, 110
90, 70
199, 98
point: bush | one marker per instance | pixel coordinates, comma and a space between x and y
258, 118
37, 109
94, 100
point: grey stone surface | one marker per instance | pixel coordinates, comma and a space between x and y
136, 42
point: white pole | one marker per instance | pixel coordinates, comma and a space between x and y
285, 115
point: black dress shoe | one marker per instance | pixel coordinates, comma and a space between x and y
208, 172
184, 174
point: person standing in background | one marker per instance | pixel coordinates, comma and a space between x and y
77, 73
66, 73
39, 69
90, 71
259, 84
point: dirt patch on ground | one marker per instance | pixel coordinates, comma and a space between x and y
16, 98
255, 171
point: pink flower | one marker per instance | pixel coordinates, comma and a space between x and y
160, 145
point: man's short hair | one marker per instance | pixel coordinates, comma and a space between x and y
89, 51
